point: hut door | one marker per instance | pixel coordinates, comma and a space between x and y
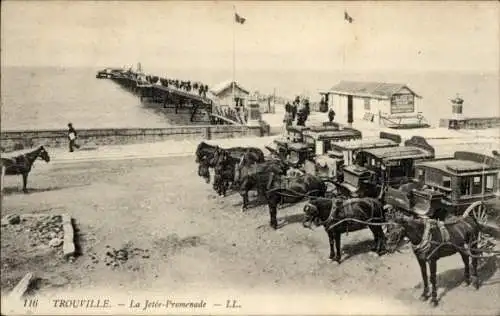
349, 109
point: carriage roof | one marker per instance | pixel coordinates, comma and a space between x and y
406, 152
464, 163
364, 144
298, 146
333, 134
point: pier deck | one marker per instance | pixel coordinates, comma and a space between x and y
167, 96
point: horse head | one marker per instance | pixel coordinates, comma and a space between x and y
203, 170
403, 226
42, 153
316, 210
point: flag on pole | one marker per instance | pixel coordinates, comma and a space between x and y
239, 19
347, 17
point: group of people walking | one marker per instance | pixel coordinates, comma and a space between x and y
188, 86
297, 111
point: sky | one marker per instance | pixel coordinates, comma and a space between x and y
423, 36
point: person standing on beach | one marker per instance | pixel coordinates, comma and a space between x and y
72, 138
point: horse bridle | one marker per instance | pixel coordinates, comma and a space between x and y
316, 220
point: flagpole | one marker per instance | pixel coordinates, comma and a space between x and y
234, 51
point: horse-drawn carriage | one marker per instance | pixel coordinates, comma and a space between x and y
376, 169
329, 165
306, 143
466, 184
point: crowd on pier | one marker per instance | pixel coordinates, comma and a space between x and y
188, 85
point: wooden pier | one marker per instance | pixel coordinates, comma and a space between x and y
168, 96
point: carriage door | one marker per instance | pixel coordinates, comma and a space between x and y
349, 109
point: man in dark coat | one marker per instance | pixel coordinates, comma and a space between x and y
295, 105
72, 138
331, 115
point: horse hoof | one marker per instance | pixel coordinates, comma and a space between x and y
424, 297
334, 261
434, 302
466, 283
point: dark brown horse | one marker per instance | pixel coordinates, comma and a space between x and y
432, 240
269, 180
224, 171
21, 164
256, 176
281, 190
205, 155
339, 216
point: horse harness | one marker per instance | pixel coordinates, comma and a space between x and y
424, 248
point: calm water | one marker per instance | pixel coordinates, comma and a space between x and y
36, 98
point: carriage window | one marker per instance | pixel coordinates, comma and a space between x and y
420, 175
477, 188
489, 184
465, 186
446, 182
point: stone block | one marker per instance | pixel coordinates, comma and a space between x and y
21, 287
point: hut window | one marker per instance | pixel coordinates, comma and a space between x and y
367, 104
446, 182
489, 183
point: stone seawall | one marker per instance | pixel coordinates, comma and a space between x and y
473, 122
11, 140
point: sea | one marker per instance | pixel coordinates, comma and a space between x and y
50, 97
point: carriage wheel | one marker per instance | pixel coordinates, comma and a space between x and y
480, 213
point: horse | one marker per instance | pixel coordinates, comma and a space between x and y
254, 176
433, 239
282, 190
255, 154
21, 164
339, 216
224, 172
269, 180
205, 156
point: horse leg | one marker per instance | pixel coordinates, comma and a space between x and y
375, 238
244, 195
433, 266
273, 212
465, 259
338, 246
25, 182
331, 239
475, 277
423, 271
381, 239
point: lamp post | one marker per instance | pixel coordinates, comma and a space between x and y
457, 118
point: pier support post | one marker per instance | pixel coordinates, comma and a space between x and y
208, 135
